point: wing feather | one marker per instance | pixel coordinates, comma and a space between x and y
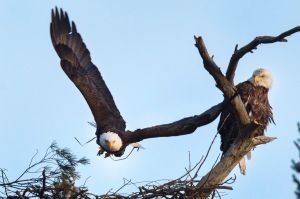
76, 63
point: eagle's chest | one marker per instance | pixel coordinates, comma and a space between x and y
256, 104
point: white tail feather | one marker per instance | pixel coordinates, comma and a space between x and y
242, 165
249, 155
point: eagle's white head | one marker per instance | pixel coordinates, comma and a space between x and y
110, 141
262, 77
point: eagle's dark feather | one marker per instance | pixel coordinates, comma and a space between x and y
257, 105
77, 64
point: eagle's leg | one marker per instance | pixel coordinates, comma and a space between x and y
249, 155
107, 154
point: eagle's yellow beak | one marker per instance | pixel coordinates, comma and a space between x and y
108, 144
257, 78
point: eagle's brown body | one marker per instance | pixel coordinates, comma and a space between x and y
257, 106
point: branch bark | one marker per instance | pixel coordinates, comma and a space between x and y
262, 140
230, 159
223, 84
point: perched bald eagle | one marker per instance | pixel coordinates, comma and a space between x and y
254, 95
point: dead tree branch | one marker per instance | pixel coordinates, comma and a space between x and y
262, 140
239, 53
222, 83
230, 159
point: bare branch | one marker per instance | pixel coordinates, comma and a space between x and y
212, 67
238, 54
222, 83
262, 140
242, 145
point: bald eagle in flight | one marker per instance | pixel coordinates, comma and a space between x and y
77, 64
111, 135
254, 95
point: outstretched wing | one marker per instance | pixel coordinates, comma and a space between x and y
77, 64
181, 127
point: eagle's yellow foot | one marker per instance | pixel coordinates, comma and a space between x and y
100, 152
137, 146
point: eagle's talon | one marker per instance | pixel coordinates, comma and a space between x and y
107, 155
100, 152
137, 146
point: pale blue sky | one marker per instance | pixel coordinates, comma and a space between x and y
145, 52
